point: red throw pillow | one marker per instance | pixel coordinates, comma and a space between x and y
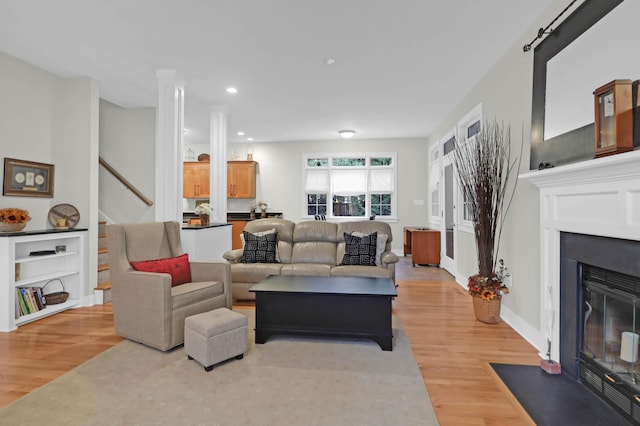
177, 267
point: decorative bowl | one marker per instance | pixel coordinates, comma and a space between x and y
12, 227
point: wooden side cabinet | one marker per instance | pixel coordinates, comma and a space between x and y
241, 179
423, 244
196, 179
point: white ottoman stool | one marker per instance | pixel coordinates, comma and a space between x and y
215, 336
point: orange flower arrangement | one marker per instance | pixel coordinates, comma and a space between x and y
488, 288
11, 215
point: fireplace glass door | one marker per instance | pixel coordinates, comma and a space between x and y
611, 332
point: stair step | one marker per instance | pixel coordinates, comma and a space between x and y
102, 235
103, 267
103, 286
102, 250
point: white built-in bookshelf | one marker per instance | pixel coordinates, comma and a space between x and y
20, 267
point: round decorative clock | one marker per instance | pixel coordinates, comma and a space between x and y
67, 212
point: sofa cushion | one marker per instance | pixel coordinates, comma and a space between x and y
253, 272
313, 269
260, 248
314, 242
321, 252
178, 267
192, 293
360, 250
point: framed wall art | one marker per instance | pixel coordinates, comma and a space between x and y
27, 178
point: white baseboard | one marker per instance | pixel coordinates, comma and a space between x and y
523, 328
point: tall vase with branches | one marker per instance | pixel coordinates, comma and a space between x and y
484, 166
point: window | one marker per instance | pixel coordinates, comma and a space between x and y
468, 127
381, 204
357, 185
316, 204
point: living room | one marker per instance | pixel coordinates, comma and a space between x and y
62, 121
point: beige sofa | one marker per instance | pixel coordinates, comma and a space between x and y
308, 248
146, 308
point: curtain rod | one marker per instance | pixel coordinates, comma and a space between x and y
547, 29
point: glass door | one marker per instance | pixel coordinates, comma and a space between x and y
448, 225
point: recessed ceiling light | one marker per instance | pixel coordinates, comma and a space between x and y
346, 134
330, 61
232, 90
240, 133
249, 139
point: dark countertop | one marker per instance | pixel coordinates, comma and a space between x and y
246, 216
40, 231
211, 225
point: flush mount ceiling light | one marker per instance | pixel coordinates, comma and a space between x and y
232, 90
346, 134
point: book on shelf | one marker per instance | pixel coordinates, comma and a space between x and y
32, 300
29, 300
24, 304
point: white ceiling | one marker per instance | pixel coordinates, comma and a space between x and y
401, 65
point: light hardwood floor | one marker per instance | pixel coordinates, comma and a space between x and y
452, 349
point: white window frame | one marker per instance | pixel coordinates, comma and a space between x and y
330, 156
468, 120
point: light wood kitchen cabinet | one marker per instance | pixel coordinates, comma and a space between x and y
196, 179
241, 179
236, 231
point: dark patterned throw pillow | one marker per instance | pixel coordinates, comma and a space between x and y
360, 250
260, 248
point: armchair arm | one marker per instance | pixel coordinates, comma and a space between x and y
233, 256
213, 271
142, 307
388, 258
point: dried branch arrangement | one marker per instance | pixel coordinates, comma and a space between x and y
484, 165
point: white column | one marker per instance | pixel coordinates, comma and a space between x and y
169, 142
218, 175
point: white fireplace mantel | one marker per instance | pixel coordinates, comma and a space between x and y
595, 197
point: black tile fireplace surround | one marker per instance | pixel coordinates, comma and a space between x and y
618, 255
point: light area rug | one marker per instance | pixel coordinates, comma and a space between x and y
286, 381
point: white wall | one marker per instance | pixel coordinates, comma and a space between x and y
505, 92
48, 119
127, 143
280, 180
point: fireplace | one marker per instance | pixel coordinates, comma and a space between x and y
600, 317
589, 227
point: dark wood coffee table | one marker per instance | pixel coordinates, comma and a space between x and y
325, 306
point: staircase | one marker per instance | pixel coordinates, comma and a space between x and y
102, 291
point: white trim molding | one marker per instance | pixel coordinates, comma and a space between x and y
596, 197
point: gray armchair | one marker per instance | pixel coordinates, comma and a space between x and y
146, 308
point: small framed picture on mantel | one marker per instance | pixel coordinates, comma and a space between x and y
27, 178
